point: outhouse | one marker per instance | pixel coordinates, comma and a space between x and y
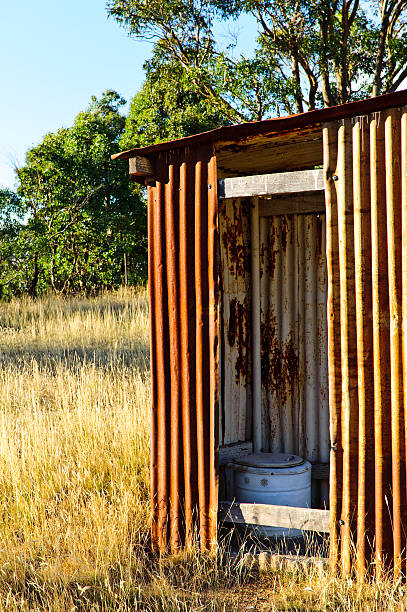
278, 301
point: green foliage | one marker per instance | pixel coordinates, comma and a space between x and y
167, 108
76, 221
307, 53
187, 60
10, 225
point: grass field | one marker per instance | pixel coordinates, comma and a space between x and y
74, 492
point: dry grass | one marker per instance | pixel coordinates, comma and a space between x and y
74, 498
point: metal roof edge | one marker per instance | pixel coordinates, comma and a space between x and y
278, 124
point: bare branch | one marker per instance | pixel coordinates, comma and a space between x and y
395, 82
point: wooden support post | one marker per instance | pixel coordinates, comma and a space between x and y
393, 201
404, 260
364, 332
349, 420
330, 134
381, 341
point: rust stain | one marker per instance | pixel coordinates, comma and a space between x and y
319, 236
222, 208
233, 322
263, 254
284, 232
272, 251
278, 237
279, 360
233, 240
238, 332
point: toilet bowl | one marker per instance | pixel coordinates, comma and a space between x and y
280, 479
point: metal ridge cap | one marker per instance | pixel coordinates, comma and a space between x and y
288, 123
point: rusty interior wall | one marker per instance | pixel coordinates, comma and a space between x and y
236, 406
183, 285
293, 332
365, 162
294, 363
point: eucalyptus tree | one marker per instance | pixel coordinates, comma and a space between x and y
183, 33
167, 107
82, 225
307, 53
10, 233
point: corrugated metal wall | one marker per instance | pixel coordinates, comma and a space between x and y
235, 416
366, 195
294, 339
365, 163
183, 284
293, 334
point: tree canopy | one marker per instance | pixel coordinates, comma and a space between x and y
75, 222
307, 54
167, 107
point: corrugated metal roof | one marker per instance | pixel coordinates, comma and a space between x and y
290, 123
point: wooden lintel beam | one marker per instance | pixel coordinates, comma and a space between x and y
306, 519
270, 184
140, 166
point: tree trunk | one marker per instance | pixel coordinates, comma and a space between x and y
343, 68
32, 288
297, 84
324, 24
378, 77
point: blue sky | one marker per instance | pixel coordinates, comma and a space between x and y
56, 54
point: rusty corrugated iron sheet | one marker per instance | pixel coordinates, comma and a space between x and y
234, 223
275, 126
183, 284
365, 185
294, 340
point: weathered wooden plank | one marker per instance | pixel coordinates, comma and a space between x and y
279, 154
268, 184
306, 519
140, 166
304, 203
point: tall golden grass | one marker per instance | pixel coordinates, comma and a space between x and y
74, 479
